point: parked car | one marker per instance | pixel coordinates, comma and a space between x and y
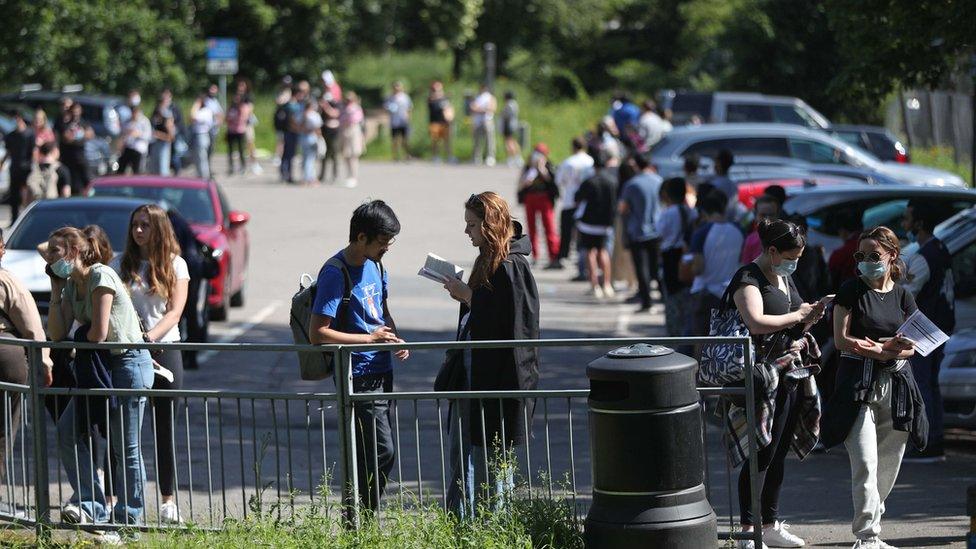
205, 207
877, 140
102, 112
752, 187
41, 218
784, 145
717, 107
879, 205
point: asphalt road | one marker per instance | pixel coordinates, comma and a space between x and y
294, 229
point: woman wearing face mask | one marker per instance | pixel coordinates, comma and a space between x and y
876, 405
499, 302
92, 293
767, 299
157, 279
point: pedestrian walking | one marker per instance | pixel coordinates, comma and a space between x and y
157, 279
595, 220
876, 406
500, 301
575, 169
353, 140
788, 403
510, 131
136, 133
73, 132
330, 107
19, 156
440, 115
930, 280
538, 192
202, 120
399, 106
674, 227
639, 206
715, 249
163, 124
483, 108
351, 307
238, 117
92, 294
311, 128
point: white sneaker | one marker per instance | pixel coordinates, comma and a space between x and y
873, 543
748, 544
110, 537
349, 183
609, 291
169, 514
777, 536
490, 161
256, 169
73, 514
597, 292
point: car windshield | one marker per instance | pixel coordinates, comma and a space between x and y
194, 204
38, 224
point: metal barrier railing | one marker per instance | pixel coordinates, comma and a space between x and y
225, 444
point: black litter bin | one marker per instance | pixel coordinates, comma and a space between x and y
647, 455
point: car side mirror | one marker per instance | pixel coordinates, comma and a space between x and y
237, 218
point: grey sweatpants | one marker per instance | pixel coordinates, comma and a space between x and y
875, 450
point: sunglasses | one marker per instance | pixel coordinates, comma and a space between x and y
873, 257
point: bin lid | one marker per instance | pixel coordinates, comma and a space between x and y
640, 350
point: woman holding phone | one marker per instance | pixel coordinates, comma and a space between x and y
770, 305
876, 404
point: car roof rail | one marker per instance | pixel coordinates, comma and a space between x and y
72, 88
32, 87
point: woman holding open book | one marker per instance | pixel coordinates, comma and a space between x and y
499, 302
876, 404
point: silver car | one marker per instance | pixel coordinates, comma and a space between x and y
717, 107
786, 145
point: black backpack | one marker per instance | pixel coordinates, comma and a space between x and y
281, 118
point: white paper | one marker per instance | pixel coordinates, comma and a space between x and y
923, 332
438, 269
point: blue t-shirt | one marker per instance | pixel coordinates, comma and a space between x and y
720, 244
641, 195
365, 312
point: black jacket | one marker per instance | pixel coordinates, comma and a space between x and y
505, 309
599, 193
92, 370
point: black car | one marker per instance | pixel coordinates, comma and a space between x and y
101, 112
874, 139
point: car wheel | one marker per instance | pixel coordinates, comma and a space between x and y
220, 313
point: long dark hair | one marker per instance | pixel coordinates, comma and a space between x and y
497, 229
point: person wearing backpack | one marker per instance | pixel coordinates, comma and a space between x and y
674, 227
350, 307
787, 400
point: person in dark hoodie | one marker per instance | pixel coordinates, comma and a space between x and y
90, 292
499, 302
876, 405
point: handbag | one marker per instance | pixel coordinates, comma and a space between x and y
721, 364
453, 376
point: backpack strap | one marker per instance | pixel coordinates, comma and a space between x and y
346, 289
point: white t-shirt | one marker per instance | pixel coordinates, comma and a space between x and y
152, 307
570, 175
141, 130
202, 121
312, 122
482, 102
721, 245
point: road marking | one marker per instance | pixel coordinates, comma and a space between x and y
238, 331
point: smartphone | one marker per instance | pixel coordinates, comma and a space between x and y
825, 300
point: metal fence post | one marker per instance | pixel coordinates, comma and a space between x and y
39, 421
347, 438
753, 446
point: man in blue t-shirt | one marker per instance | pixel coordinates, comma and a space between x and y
367, 319
715, 249
639, 206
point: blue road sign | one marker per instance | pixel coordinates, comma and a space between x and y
222, 48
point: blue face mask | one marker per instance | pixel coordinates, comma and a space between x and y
786, 267
872, 270
62, 268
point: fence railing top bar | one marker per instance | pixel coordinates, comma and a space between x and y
446, 395
185, 393
415, 346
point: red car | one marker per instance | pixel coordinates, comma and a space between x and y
751, 189
205, 207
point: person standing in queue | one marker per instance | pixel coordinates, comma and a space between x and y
157, 279
788, 406
876, 405
366, 319
500, 301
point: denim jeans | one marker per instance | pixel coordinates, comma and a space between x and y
159, 157
287, 154
201, 154
130, 370
460, 490
375, 448
310, 151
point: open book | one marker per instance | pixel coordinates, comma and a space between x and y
438, 269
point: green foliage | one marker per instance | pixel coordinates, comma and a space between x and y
943, 159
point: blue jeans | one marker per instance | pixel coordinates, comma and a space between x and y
310, 151
287, 154
159, 157
130, 370
201, 154
460, 490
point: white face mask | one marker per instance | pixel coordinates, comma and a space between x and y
135, 100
